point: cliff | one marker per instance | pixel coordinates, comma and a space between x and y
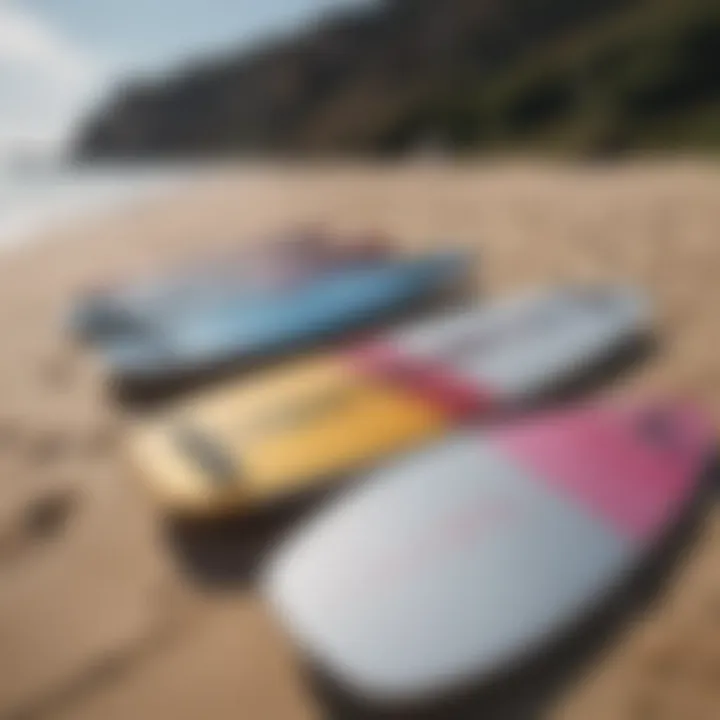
587, 75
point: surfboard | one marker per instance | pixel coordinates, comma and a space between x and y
123, 308
280, 432
463, 560
250, 325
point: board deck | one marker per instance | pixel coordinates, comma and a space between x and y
251, 324
117, 309
288, 429
457, 563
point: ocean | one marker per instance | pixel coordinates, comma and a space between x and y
35, 198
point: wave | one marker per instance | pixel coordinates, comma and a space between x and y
32, 199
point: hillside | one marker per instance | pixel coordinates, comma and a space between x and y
578, 75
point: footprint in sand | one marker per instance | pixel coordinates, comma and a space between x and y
47, 517
43, 519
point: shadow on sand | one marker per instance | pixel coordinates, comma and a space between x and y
224, 553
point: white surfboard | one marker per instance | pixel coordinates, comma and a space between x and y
459, 562
515, 349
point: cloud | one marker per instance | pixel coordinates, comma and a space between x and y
46, 82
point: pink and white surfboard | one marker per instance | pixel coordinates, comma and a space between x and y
458, 562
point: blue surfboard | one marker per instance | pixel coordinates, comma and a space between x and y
250, 324
118, 310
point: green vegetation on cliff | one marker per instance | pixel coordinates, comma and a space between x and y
580, 76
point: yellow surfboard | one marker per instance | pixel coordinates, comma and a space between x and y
278, 433
284, 431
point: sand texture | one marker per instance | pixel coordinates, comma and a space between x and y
99, 616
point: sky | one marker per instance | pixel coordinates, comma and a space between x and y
60, 57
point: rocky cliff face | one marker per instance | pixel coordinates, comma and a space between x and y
385, 78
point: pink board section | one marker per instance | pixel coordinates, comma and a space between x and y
459, 398
635, 467
302, 256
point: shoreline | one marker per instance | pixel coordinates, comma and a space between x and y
67, 196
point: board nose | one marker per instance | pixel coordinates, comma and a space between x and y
208, 455
635, 466
676, 429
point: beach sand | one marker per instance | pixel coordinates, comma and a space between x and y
98, 616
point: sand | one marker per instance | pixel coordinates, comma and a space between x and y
99, 618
